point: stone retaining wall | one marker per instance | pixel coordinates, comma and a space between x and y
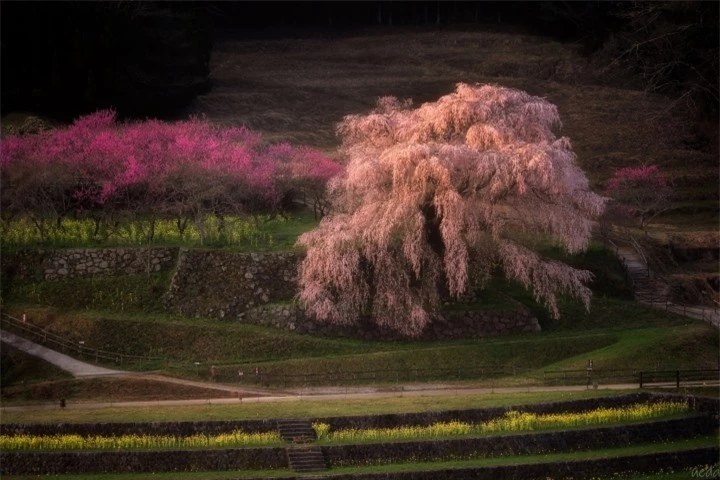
570, 470
256, 288
446, 325
56, 463
224, 284
62, 264
523, 444
259, 288
50, 463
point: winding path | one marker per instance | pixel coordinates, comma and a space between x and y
80, 369
246, 395
76, 368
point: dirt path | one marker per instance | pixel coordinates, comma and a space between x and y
75, 367
80, 369
250, 395
322, 395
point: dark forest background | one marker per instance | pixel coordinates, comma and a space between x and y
152, 58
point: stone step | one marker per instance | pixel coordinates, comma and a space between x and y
296, 430
306, 459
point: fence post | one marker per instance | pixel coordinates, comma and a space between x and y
641, 380
677, 379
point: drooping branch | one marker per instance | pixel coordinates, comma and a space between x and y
428, 189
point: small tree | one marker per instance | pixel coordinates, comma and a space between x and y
641, 192
430, 194
303, 174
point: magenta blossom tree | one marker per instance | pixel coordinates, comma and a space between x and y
433, 195
640, 192
119, 172
303, 174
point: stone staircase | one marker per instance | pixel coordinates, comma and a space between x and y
301, 457
653, 291
306, 458
646, 289
296, 431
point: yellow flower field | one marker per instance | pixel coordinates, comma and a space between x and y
512, 421
236, 438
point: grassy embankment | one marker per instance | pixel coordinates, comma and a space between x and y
609, 126
616, 334
125, 314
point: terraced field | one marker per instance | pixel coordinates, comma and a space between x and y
625, 434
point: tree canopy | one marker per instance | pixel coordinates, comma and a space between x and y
643, 192
436, 194
186, 171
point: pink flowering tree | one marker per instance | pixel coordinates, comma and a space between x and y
302, 175
436, 198
32, 185
639, 192
140, 171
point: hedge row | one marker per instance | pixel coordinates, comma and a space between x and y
52, 463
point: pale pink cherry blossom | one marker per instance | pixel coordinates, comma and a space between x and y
435, 194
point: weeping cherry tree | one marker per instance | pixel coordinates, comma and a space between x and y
435, 195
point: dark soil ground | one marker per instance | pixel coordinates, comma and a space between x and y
297, 88
106, 390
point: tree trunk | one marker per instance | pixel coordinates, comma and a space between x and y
432, 230
151, 231
40, 225
181, 223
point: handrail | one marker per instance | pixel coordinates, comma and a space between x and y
42, 336
663, 299
676, 376
636, 246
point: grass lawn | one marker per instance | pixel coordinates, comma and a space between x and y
303, 408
